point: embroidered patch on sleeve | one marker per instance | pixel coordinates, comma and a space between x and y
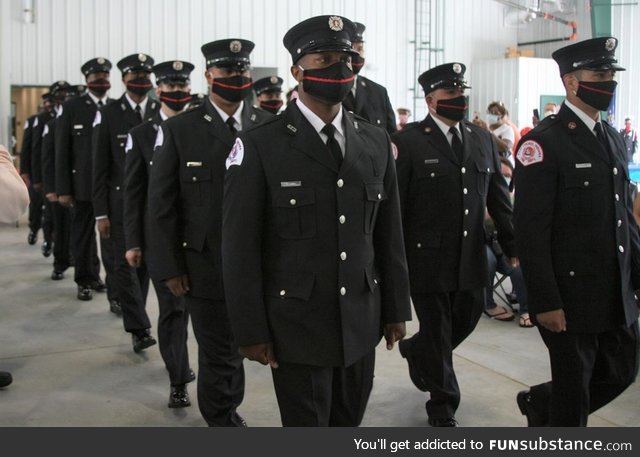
530, 153
236, 155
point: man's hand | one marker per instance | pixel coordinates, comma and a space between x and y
514, 262
134, 257
554, 321
394, 332
52, 197
104, 227
66, 200
25, 178
262, 353
178, 285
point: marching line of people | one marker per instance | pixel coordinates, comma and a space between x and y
300, 237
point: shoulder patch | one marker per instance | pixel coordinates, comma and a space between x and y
159, 138
394, 151
530, 153
236, 155
129, 145
98, 119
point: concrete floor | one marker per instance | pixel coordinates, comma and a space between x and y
73, 365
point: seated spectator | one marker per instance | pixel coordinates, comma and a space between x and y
497, 261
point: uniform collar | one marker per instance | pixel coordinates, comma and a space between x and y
96, 99
315, 121
143, 104
237, 116
445, 128
584, 117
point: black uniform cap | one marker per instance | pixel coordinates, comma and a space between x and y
174, 71
594, 54
229, 53
47, 96
319, 34
78, 89
136, 62
358, 37
59, 86
97, 65
447, 75
268, 84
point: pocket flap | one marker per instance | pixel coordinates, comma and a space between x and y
583, 177
291, 286
484, 167
375, 191
434, 169
196, 174
373, 280
294, 197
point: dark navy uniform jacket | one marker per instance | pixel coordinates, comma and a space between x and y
444, 203
108, 145
185, 196
313, 256
577, 238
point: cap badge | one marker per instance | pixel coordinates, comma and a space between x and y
101, 61
457, 68
235, 46
610, 44
273, 80
142, 57
335, 23
177, 65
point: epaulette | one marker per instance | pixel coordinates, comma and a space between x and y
546, 123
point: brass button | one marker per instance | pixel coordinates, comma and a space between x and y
464, 170
619, 223
621, 249
433, 175
465, 191
117, 187
419, 245
343, 255
293, 202
184, 244
342, 219
340, 183
283, 293
379, 196
466, 212
586, 184
615, 171
572, 273
617, 197
343, 291
194, 178
465, 233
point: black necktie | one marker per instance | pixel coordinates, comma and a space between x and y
100, 104
139, 112
231, 123
602, 137
332, 143
456, 144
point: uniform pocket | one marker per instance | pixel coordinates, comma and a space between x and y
291, 286
375, 194
196, 183
579, 185
295, 213
485, 170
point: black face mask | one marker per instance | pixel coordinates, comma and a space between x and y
99, 86
597, 94
175, 100
233, 89
357, 63
331, 84
453, 109
139, 86
273, 106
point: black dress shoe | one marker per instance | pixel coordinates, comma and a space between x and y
57, 275
32, 237
238, 421
179, 397
115, 307
46, 248
142, 341
98, 286
84, 293
5, 379
527, 409
446, 422
418, 381
192, 376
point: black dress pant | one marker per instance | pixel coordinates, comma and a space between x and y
61, 236
588, 370
47, 220
172, 334
131, 284
36, 200
83, 244
446, 320
220, 369
312, 396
